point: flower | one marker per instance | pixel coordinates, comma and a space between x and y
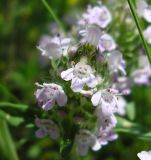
147, 34
141, 6
46, 127
48, 94
144, 10
81, 74
105, 121
104, 137
106, 43
144, 155
141, 76
54, 47
84, 140
98, 15
123, 85
106, 99
118, 64
91, 34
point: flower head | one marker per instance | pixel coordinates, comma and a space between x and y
144, 155
46, 127
81, 74
54, 47
98, 15
49, 94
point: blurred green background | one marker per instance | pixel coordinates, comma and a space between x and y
22, 23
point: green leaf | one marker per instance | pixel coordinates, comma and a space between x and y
146, 46
131, 111
8, 144
21, 107
125, 126
12, 120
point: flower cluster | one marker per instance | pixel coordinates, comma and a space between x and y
91, 80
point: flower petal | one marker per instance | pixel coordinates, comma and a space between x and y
92, 81
67, 75
48, 105
77, 84
61, 99
96, 98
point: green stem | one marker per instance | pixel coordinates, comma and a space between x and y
53, 15
7, 139
147, 49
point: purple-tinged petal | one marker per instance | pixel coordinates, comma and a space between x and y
61, 99
77, 84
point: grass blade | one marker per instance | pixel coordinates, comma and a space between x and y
53, 15
146, 46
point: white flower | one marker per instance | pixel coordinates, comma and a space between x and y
105, 121
49, 94
84, 140
81, 74
46, 127
144, 155
54, 47
147, 34
115, 62
98, 15
91, 34
106, 43
144, 10
106, 100
141, 6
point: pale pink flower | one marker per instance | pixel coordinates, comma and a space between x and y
49, 94
81, 74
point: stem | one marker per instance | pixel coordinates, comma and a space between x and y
147, 49
7, 139
53, 15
